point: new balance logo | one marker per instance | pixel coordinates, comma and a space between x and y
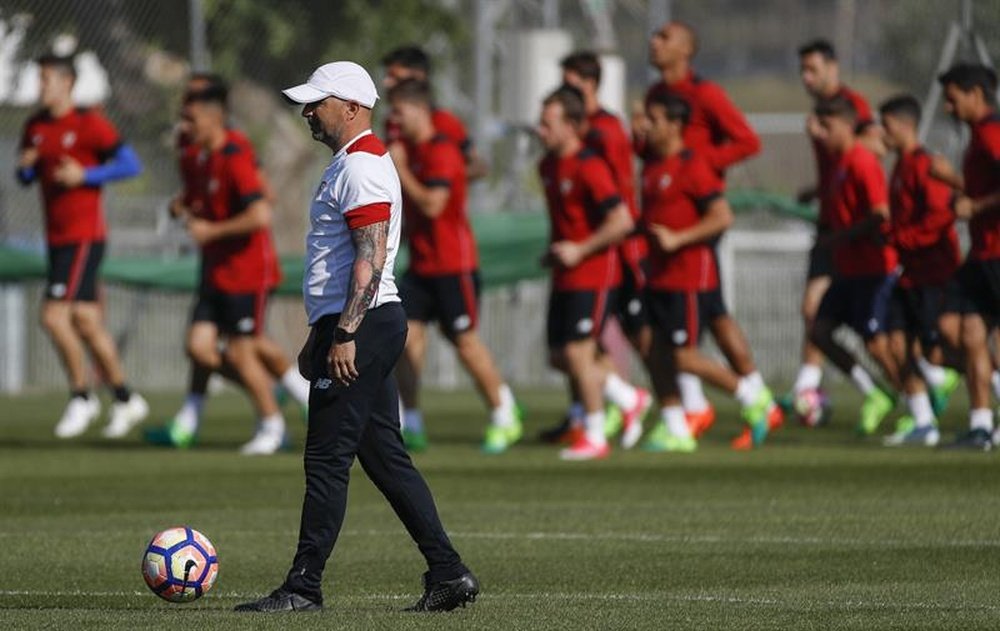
323, 384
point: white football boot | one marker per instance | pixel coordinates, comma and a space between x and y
79, 413
267, 441
125, 416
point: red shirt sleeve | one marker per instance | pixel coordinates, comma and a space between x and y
936, 217
703, 185
102, 136
443, 164
871, 181
740, 141
865, 118
244, 179
600, 185
451, 126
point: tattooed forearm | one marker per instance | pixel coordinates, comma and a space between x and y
369, 258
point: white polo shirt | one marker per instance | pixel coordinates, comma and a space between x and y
359, 187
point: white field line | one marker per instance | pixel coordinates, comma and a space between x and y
563, 596
636, 537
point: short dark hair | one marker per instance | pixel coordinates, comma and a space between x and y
901, 106
818, 47
412, 57
838, 106
215, 92
675, 106
584, 63
62, 63
413, 91
969, 76
571, 100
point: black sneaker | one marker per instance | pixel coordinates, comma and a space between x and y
447, 595
556, 435
280, 600
976, 439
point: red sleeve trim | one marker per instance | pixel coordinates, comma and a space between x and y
366, 215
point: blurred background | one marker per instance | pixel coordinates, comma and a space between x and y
492, 60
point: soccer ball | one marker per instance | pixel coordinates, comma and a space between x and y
811, 407
180, 564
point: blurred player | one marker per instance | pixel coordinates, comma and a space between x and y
684, 213
588, 220
229, 219
820, 75
73, 152
970, 96
442, 282
923, 233
865, 265
720, 134
182, 429
411, 62
607, 137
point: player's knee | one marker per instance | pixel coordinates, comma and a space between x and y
87, 324
203, 354
973, 335
54, 319
467, 344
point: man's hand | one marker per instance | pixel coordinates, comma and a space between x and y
965, 207
28, 158
813, 128
201, 231
668, 240
340, 362
566, 254
397, 151
69, 173
177, 208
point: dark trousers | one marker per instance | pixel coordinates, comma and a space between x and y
362, 420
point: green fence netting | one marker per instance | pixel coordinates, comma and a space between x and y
510, 245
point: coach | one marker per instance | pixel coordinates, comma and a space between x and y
357, 335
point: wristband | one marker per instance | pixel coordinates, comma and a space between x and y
342, 335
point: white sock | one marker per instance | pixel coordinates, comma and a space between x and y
273, 424
620, 392
920, 408
594, 425
577, 414
981, 418
748, 389
503, 414
692, 395
673, 417
995, 380
413, 420
862, 379
933, 373
189, 416
809, 378
296, 385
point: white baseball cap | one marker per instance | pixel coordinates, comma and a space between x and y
344, 80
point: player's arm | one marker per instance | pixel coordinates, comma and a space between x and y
366, 274
716, 219
429, 197
26, 161
942, 170
256, 215
616, 226
870, 136
476, 166
937, 215
967, 207
741, 141
120, 164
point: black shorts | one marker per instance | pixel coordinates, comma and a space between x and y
73, 268
629, 307
577, 315
979, 289
861, 303
820, 262
682, 315
233, 314
452, 301
916, 310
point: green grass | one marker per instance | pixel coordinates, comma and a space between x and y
818, 531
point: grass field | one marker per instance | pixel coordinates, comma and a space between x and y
818, 531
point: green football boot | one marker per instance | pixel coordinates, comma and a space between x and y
661, 440
876, 406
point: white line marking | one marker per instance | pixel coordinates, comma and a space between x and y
566, 596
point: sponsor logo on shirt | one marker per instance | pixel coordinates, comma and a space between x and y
69, 139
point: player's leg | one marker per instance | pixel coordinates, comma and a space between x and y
282, 370
418, 301
978, 370
919, 426
457, 297
579, 358
129, 408
819, 277
672, 432
66, 263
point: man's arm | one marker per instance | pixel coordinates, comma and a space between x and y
616, 226
429, 200
366, 274
716, 220
256, 217
741, 141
